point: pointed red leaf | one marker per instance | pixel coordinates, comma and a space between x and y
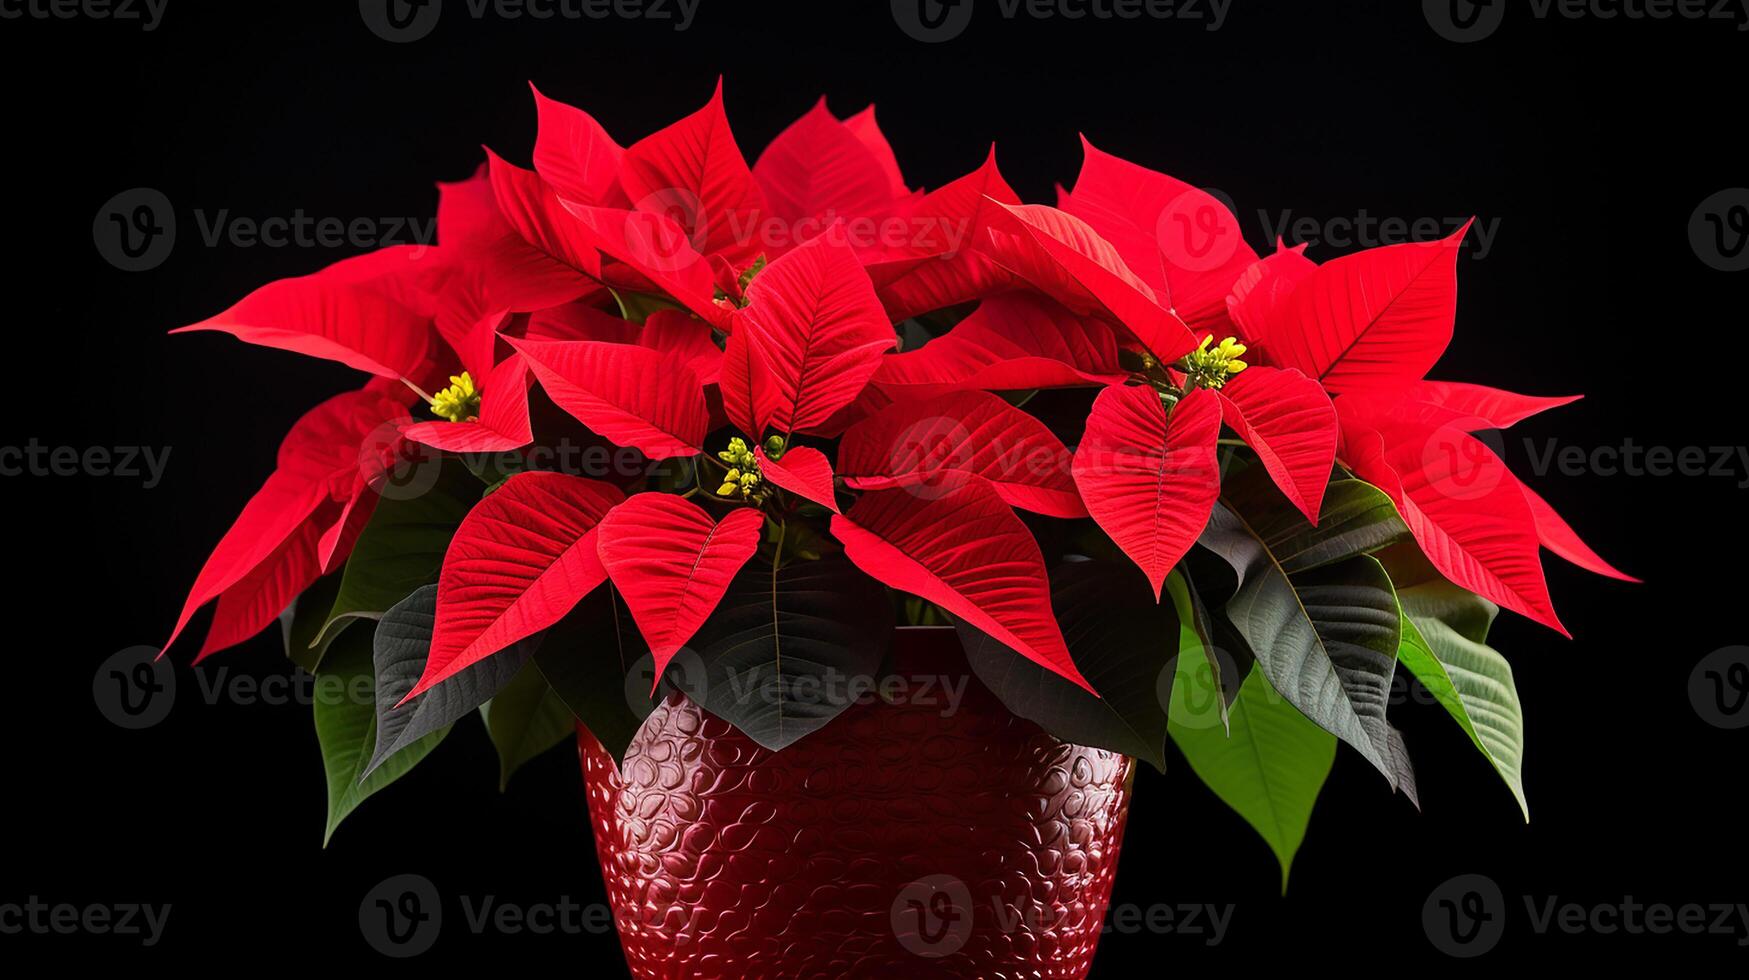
919, 443
817, 169
517, 564
672, 563
1179, 239
255, 601
658, 252
1069, 262
1148, 479
959, 546
693, 173
1288, 420
1011, 342
629, 395
1261, 292
503, 424
803, 471
938, 265
574, 154
688, 340
807, 343
863, 127
1559, 537
1499, 409
1373, 319
533, 208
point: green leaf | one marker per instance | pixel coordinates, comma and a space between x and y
1445, 630
1272, 765
402, 545
1355, 519
302, 621
637, 307
346, 724
1122, 641
597, 663
1325, 637
525, 719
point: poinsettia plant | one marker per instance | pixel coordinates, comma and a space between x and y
650, 405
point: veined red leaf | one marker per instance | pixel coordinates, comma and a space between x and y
1372, 319
1559, 537
1261, 293
680, 336
817, 168
535, 211
503, 423
939, 264
864, 128
1179, 239
1288, 420
1011, 342
672, 563
693, 173
1499, 409
807, 343
917, 443
961, 547
255, 601
519, 561
803, 471
332, 317
1061, 256
629, 395
657, 249
1148, 479
574, 154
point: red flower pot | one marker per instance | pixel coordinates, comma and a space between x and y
918, 838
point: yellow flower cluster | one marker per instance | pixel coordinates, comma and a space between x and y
744, 478
1210, 368
460, 402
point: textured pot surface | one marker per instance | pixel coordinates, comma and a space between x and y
905, 839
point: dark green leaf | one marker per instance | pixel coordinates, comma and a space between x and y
525, 718
597, 663
302, 621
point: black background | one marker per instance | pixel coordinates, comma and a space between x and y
1591, 142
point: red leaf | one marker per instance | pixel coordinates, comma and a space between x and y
938, 266
802, 471
630, 395
503, 424
532, 207
1498, 409
656, 249
818, 169
1466, 511
1261, 293
319, 460
1150, 481
1559, 537
673, 564
1372, 319
693, 173
688, 340
863, 127
1011, 342
1178, 238
917, 443
334, 317
256, 600
959, 546
574, 154
1288, 420
519, 561
807, 343
1068, 261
